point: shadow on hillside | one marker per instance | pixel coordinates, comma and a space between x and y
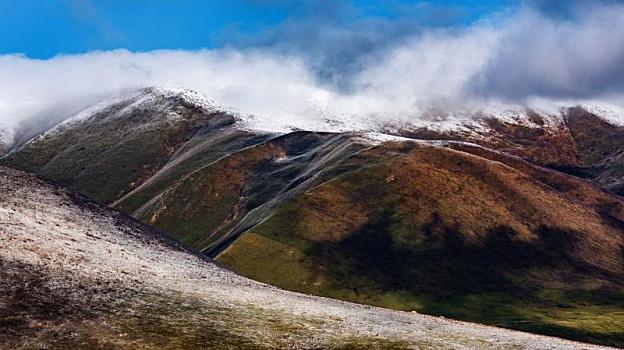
496, 279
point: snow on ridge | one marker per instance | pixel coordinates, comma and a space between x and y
96, 108
319, 119
260, 123
190, 96
376, 138
612, 114
152, 97
159, 98
375, 128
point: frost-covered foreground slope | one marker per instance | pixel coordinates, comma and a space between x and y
77, 275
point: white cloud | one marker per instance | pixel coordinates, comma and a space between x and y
254, 80
526, 56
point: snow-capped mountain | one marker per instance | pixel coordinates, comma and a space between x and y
548, 135
473, 124
148, 132
493, 205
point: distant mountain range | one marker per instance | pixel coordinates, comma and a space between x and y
509, 216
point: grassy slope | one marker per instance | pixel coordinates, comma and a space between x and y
455, 235
36, 315
207, 203
58, 291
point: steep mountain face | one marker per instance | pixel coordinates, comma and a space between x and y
463, 218
76, 275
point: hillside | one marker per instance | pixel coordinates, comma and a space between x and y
77, 275
582, 140
485, 238
497, 218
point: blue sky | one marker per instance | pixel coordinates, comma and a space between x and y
45, 28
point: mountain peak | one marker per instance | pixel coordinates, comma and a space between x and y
187, 95
159, 103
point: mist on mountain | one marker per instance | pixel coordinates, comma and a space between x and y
529, 57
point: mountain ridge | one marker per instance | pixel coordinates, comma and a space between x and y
461, 121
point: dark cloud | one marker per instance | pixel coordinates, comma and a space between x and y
554, 48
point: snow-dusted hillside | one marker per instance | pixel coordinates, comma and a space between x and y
77, 275
469, 123
208, 174
163, 104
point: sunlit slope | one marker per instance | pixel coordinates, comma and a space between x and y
451, 233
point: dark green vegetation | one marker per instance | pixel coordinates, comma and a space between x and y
459, 231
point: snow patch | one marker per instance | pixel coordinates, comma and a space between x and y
376, 138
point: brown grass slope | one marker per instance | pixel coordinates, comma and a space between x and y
470, 234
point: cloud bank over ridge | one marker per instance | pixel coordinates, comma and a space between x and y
509, 57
